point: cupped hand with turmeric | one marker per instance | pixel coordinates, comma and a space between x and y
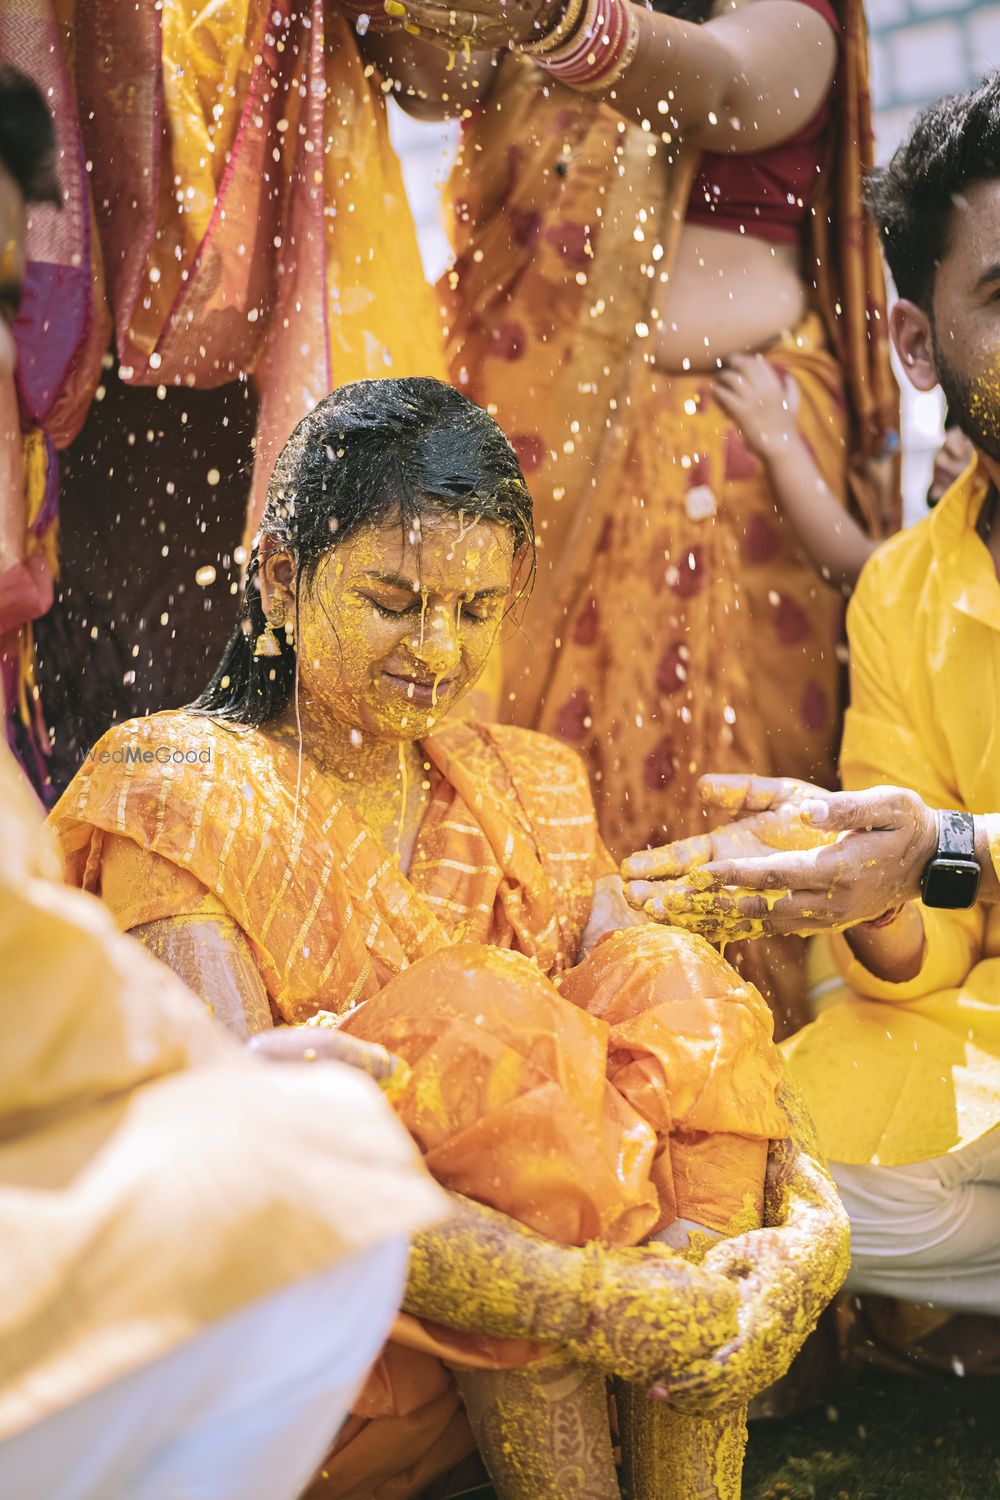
794, 859
322, 1041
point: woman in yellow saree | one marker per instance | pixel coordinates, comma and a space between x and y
616, 240
318, 838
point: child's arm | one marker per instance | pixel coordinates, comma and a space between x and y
751, 392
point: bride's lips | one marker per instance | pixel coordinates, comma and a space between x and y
425, 692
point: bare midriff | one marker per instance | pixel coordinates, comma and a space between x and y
728, 293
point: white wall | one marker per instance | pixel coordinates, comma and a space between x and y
426, 152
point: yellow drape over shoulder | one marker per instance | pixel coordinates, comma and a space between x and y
903, 1072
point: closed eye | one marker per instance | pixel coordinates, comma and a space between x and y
394, 614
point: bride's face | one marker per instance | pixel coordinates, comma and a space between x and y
394, 628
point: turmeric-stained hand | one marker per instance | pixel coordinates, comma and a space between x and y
319, 1043
479, 23
610, 912
786, 1273
796, 859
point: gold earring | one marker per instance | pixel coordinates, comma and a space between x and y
267, 642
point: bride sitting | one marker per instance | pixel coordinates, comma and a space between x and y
320, 838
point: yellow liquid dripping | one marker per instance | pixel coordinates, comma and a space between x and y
404, 797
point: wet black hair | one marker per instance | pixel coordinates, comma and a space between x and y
372, 452
27, 138
951, 145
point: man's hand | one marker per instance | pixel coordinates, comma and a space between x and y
609, 912
786, 1273
796, 859
306, 1044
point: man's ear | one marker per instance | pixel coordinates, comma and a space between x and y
277, 580
910, 331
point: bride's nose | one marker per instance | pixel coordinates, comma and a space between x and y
436, 643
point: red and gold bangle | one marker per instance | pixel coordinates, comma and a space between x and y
565, 27
597, 49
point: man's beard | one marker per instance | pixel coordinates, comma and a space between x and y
973, 402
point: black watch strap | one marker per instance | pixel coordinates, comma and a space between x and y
951, 879
956, 835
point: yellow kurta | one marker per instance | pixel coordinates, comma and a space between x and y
900, 1073
153, 1176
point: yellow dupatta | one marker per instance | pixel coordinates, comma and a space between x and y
507, 854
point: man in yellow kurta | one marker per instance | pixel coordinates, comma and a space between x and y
200, 1251
902, 1074
907, 1100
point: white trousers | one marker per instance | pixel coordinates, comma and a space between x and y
245, 1411
929, 1232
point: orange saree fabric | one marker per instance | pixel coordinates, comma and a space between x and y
587, 1101
676, 628
725, 652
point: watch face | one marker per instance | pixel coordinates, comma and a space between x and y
951, 883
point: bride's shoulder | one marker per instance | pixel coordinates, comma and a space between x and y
174, 739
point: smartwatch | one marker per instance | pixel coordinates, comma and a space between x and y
951, 879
